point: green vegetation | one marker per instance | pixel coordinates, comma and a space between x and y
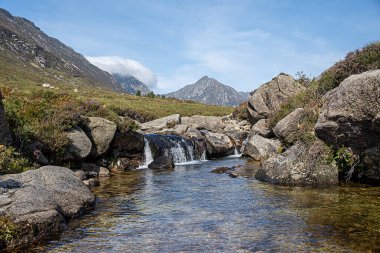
241, 112
12, 162
8, 230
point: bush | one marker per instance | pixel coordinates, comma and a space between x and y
12, 162
8, 230
241, 112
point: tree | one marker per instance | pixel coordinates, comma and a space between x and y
138, 93
150, 94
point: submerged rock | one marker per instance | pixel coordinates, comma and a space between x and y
40, 201
162, 163
300, 165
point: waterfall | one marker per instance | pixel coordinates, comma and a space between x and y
236, 152
147, 154
203, 156
182, 152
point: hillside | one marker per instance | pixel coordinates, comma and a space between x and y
22, 43
210, 91
130, 84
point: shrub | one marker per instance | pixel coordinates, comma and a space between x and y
171, 124
8, 230
241, 112
12, 162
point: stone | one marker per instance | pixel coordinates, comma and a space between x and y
372, 163
286, 129
220, 170
161, 123
122, 164
300, 165
79, 144
269, 97
161, 163
180, 129
104, 172
218, 144
40, 201
193, 133
91, 183
238, 137
80, 174
127, 144
261, 128
211, 123
101, 133
5, 133
260, 148
350, 115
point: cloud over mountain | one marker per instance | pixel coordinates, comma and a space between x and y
124, 66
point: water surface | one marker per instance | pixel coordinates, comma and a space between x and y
190, 209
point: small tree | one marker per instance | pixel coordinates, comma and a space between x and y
138, 93
150, 94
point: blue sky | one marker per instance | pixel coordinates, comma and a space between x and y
242, 43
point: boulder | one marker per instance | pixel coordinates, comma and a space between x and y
104, 172
161, 163
81, 174
300, 165
40, 201
372, 163
238, 137
218, 144
193, 133
161, 123
211, 123
101, 133
287, 128
180, 129
5, 133
351, 113
127, 144
122, 164
260, 148
268, 99
261, 128
79, 144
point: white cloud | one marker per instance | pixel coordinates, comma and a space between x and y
123, 66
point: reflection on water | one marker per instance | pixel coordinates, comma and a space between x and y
190, 209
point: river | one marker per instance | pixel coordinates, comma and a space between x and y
190, 209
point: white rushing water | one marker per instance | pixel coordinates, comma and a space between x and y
236, 153
147, 154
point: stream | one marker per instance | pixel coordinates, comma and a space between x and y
190, 209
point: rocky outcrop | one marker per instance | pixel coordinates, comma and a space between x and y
5, 133
300, 165
40, 201
218, 144
161, 123
101, 133
161, 163
351, 113
372, 162
128, 144
211, 123
267, 99
260, 148
261, 128
287, 128
79, 144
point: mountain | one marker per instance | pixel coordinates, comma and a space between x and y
22, 42
130, 84
210, 91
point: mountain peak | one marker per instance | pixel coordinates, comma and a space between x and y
210, 91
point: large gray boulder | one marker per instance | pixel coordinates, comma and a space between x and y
218, 144
211, 123
5, 133
268, 99
39, 202
351, 113
260, 148
300, 165
79, 144
101, 133
261, 128
161, 123
287, 128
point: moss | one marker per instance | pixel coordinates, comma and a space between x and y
8, 230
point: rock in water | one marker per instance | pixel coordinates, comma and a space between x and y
161, 163
218, 144
101, 133
260, 148
351, 113
300, 165
40, 201
268, 99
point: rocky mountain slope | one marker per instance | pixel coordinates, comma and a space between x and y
210, 91
130, 84
21, 41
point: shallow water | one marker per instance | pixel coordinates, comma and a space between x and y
192, 210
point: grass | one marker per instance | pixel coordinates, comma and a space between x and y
8, 230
